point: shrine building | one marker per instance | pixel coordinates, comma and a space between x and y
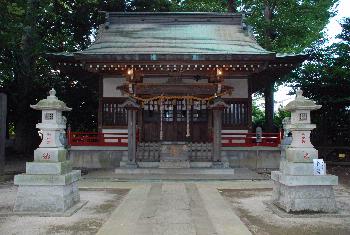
176, 87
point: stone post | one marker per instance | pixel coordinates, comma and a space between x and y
218, 106
3, 113
296, 188
49, 186
131, 105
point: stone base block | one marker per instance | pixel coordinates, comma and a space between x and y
302, 155
148, 164
174, 164
220, 165
290, 168
48, 179
304, 180
50, 155
127, 164
317, 198
42, 168
46, 199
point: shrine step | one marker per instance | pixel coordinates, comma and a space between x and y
174, 164
157, 164
176, 171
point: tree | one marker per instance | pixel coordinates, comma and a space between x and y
325, 78
287, 26
29, 30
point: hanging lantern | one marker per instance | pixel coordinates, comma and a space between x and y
219, 72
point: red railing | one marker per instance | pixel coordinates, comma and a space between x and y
121, 139
250, 139
97, 139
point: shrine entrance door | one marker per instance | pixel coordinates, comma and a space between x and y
174, 121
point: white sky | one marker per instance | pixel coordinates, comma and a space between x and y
332, 29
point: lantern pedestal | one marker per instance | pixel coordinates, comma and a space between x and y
49, 186
46, 193
297, 187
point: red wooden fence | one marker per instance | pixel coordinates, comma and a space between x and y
97, 139
250, 140
121, 139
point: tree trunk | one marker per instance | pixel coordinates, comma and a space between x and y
24, 74
232, 6
3, 115
268, 91
269, 107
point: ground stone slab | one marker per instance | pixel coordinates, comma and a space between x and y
174, 208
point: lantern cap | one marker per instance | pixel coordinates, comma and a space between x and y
51, 103
301, 103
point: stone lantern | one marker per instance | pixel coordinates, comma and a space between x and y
296, 188
49, 185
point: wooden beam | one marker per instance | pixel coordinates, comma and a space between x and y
100, 103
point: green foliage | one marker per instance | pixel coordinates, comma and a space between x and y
325, 78
279, 116
200, 5
150, 5
258, 116
288, 26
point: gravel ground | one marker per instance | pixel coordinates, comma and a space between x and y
87, 220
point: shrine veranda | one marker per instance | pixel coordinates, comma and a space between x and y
174, 84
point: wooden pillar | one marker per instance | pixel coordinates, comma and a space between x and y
3, 113
217, 115
132, 107
218, 106
100, 104
131, 135
250, 107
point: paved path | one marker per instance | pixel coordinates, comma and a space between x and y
170, 208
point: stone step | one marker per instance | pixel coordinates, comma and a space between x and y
178, 171
174, 164
156, 164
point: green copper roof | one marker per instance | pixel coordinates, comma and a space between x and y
173, 33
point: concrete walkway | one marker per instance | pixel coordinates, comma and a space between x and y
170, 208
